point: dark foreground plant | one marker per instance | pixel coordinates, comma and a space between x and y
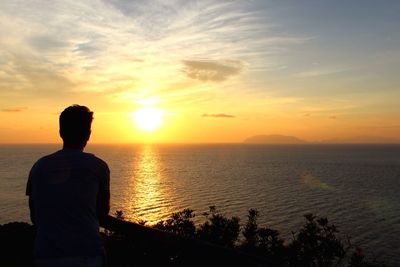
317, 243
264, 241
218, 229
180, 223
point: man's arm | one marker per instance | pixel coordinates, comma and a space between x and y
30, 198
103, 205
32, 210
103, 197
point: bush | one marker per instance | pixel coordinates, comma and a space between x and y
218, 229
317, 243
180, 223
264, 242
16, 244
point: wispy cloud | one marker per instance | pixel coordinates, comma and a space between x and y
218, 115
328, 106
89, 45
321, 72
14, 109
211, 70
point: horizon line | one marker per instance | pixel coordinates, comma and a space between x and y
216, 143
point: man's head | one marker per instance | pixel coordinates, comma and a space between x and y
75, 122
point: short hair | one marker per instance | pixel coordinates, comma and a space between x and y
75, 123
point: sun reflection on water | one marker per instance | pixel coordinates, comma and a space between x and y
145, 197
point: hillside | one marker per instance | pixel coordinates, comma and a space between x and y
273, 139
363, 140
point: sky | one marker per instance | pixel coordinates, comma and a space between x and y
213, 70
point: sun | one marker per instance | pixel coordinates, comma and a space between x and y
148, 119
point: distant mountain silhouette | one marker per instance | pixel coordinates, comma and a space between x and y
273, 139
285, 139
364, 139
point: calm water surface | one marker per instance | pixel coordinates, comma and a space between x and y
356, 186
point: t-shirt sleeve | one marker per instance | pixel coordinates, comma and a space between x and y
28, 191
32, 173
105, 179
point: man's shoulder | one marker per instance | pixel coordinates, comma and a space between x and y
43, 163
94, 159
47, 158
80, 156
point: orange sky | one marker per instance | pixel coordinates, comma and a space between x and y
218, 71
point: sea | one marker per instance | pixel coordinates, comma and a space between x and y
357, 187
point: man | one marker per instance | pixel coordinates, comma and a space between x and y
69, 195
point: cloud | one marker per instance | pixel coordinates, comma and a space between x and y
46, 43
15, 109
332, 117
321, 72
59, 48
211, 70
30, 77
218, 115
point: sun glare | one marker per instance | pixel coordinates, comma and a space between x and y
148, 119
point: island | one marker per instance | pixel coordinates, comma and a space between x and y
274, 139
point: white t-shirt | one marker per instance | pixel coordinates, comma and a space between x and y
64, 187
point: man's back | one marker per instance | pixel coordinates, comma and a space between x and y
65, 187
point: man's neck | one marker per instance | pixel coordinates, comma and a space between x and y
74, 146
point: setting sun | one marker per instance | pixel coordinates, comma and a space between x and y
148, 119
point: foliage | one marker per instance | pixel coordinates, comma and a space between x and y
358, 260
119, 214
250, 232
180, 223
218, 229
16, 244
317, 243
262, 241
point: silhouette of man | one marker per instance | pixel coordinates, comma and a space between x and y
69, 196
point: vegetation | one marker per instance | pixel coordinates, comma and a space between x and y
317, 243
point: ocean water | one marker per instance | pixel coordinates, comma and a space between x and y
356, 186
